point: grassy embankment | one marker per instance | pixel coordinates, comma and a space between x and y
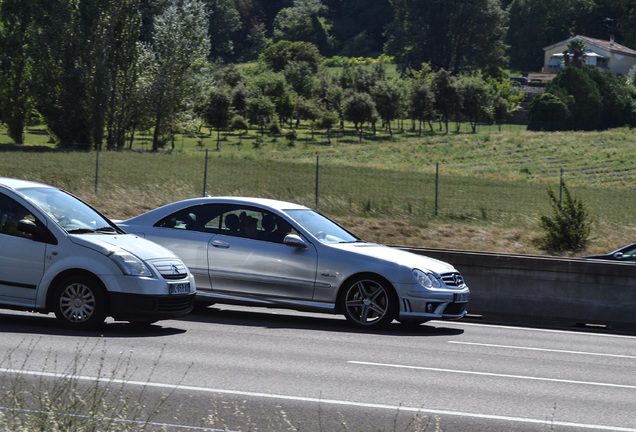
492, 185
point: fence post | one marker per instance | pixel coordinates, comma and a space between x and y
317, 178
436, 185
99, 146
561, 189
205, 174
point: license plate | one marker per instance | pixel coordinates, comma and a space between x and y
460, 297
179, 288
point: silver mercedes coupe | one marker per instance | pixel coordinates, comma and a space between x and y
269, 253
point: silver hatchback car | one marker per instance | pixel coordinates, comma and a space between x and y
263, 252
58, 254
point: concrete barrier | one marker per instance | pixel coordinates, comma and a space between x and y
540, 290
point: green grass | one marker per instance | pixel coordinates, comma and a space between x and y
490, 179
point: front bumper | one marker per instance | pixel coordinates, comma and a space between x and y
434, 305
138, 307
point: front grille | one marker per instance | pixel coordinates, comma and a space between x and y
453, 280
175, 304
171, 269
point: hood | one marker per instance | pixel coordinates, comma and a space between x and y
397, 256
107, 243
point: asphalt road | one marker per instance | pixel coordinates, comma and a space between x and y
240, 369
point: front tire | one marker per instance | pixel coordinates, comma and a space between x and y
80, 302
369, 302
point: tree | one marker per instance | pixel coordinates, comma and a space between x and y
447, 96
581, 95
17, 25
301, 77
421, 103
389, 98
616, 96
240, 93
304, 22
260, 110
594, 99
449, 34
65, 73
570, 225
575, 54
179, 48
500, 110
359, 25
218, 111
122, 72
274, 87
359, 109
239, 123
85, 71
224, 22
327, 120
476, 98
280, 54
306, 109
548, 112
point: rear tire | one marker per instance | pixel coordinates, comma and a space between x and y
80, 302
369, 302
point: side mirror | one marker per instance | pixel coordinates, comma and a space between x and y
29, 227
295, 241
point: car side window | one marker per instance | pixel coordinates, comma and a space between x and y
12, 212
254, 223
629, 255
204, 218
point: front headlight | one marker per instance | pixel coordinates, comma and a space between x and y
427, 280
129, 264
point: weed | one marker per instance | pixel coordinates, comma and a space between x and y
59, 400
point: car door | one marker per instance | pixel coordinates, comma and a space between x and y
22, 258
188, 233
252, 261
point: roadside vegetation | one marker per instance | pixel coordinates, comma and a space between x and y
88, 394
83, 395
493, 185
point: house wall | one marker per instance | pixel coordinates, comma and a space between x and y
619, 64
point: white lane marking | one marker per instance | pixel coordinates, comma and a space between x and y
533, 329
543, 349
490, 374
319, 401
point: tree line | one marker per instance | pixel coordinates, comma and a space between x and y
98, 71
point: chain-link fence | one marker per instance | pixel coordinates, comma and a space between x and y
338, 189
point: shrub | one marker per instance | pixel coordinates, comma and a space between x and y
547, 112
569, 227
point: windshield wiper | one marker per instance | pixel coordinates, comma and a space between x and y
80, 231
106, 229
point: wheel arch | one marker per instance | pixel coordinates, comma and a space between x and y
347, 281
50, 293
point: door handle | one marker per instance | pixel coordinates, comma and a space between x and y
220, 244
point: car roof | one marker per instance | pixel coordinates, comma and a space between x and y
17, 184
261, 202
265, 203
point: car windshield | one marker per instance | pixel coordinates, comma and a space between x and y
69, 212
321, 227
